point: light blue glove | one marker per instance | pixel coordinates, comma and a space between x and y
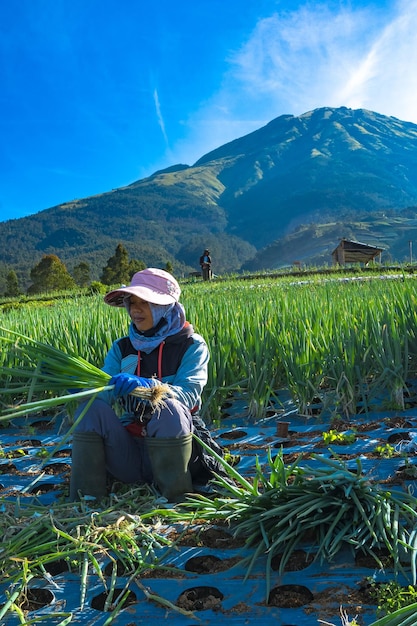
125, 383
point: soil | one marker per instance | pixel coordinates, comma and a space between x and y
27, 443
61, 454
210, 564
297, 561
234, 434
200, 599
323, 603
100, 600
35, 599
367, 560
57, 468
289, 596
211, 537
8, 468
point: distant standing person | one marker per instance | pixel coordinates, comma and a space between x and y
205, 262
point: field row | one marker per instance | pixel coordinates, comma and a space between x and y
343, 344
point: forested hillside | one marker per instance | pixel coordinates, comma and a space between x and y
259, 201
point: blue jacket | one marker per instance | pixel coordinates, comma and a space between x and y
180, 361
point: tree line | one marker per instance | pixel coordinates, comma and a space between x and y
51, 274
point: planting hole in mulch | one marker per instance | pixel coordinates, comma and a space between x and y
234, 434
219, 538
56, 468
35, 598
397, 437
209, 538
16, 454
200, 599
37, 490
202, 564
43, 425
24, 443
297, 561
167, 571
294, 456
289, 596
363, 559
397, 422
286, 443
60, 566
407, 472
326, 601
121, 568
7, 468
243, 446
99, 602
209, 564
60, 454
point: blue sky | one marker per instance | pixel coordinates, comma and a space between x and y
96, 94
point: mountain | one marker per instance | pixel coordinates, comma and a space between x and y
290, 190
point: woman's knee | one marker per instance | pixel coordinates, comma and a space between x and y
172, 420
95, 417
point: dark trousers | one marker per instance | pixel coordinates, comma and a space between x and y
206, 272
127, 457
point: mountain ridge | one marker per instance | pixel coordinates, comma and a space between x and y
241, 199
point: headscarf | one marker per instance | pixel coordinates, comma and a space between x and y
168, 320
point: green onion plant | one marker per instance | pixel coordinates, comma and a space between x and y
324, 505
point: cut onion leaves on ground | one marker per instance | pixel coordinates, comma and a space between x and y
46, 377
73, 537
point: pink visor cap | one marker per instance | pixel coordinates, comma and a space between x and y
153, 285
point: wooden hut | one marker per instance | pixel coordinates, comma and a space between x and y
354, 252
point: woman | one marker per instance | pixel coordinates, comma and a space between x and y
120, 434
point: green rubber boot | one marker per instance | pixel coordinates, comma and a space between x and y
88, 467
169, 460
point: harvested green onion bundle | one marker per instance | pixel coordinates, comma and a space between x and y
325, 505
40, 368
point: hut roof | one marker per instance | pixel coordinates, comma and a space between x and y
355, 252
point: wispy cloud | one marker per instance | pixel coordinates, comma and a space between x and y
160, 118
297, 61
317, 57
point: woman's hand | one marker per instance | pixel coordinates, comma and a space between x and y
125, 383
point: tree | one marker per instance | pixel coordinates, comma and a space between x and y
117, 269
50, 274
169, 267
12, 285
81, 274
135, 266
